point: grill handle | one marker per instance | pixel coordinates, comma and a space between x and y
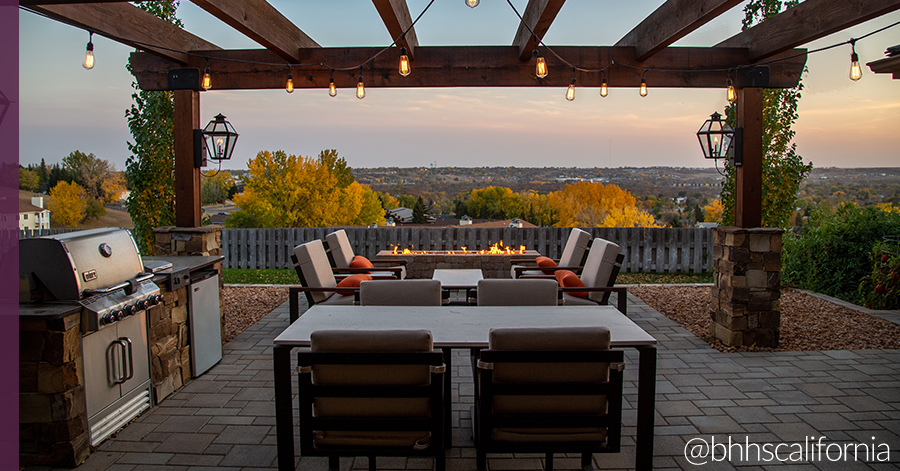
138, 279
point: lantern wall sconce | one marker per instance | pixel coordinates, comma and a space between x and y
719, 141
214, 142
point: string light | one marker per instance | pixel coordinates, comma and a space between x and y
472, 3
404, 62
570, 92
360, 88
88, 62
855, 70
289, 86
731, 94
332, 90
540, 65
207, 82
644, 84
604, 90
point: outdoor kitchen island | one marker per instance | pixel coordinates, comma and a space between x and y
56, 420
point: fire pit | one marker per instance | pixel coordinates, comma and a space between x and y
493, 262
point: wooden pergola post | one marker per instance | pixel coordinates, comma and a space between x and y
187, 176
748, 176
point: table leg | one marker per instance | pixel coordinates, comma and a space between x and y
646, 408
284, 413
448, 396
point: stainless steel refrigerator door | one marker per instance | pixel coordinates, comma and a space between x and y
206, 327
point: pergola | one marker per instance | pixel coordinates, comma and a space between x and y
764, 56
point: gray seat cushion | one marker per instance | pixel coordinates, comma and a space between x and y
503, 292
400, 293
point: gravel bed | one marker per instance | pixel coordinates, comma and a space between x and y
246, 305
807, 322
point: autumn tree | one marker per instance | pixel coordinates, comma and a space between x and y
67, 204
713, 211
783, 168
113, 187
387, 201
89, 172
591, 204
214, 189
337, 166
28, 180
494, 202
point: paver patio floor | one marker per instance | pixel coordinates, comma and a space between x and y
225, 420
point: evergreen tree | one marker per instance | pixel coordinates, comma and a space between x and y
420, 212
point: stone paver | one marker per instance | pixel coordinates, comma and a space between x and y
224, 420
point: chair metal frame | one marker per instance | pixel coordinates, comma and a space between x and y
434, 391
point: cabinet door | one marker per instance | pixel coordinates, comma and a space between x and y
206, 327
99, 350
134, 328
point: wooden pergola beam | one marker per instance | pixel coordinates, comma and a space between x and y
261, 22
128, 24
468, 66
808, 21
538, 16
890, 65
670, 22
395, 15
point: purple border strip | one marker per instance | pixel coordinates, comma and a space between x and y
9, 229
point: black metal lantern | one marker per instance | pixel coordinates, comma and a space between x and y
716, 137
220, 138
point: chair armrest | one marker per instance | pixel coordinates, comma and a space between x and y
366, 271
621, 305
519, 269
295, 290
528, 260
392, 261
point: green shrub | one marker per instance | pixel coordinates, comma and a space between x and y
833, 254
881, 289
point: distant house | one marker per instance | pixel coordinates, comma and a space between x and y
404, 216
32, 214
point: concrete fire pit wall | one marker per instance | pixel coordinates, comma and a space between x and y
746, 295
423, 265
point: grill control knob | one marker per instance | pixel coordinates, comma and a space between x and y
155, 299
128, 310
108, 318
141, 305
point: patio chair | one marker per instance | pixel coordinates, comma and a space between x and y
598, 277
400, 293
317, 280
371, 393
522, 292
341, 257
573, 254
549, 390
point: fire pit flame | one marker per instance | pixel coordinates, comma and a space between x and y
496, 249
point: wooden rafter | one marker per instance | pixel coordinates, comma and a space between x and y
808, 21
395, 15
467, 66
889, 65
28, 3
538, 16
670, 22
136, 26
261, 22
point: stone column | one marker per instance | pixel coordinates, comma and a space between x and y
204, 240
746, 296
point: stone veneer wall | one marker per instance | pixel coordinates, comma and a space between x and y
423, 265
746, 294
170, 349
53, 426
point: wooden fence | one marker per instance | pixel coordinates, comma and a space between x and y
664, 250
649, 250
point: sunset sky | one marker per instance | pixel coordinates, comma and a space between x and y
842, 123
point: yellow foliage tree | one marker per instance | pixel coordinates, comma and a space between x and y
67, 204
295, 191
113, 187
713, 211
590, 204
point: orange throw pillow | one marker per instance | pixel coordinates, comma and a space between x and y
361, 262
351, 281
546, 262
568, 279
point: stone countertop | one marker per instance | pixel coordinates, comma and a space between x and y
189, 263
49, 311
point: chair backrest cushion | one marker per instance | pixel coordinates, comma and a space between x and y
371, 375
400, 293
341, 250
313, 263
520, 292
599, 266
576, 245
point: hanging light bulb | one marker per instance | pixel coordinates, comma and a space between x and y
540, 65
207, 82
855, 70
404, 62
731, 94
88, 63
360, 88
570, 92
332, 90
472, 3
643, 86
604, 90
289, 86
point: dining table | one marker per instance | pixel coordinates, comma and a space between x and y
467, 327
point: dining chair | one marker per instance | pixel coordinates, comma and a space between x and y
343, 260
400, 293
597, 278
371, 393
572, 255
549, 390
521, 292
